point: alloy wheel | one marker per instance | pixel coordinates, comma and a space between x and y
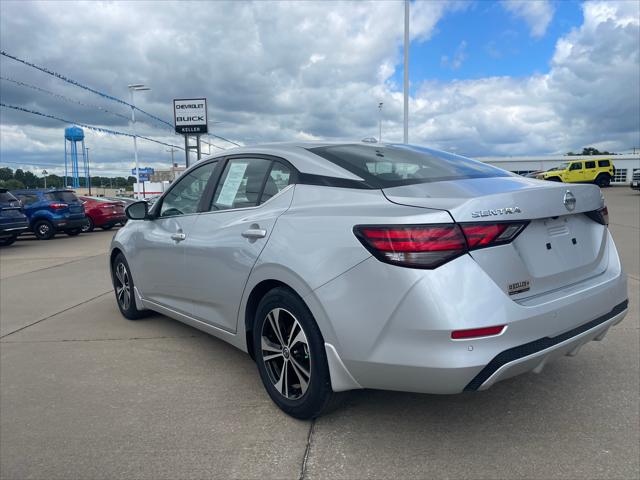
123, 286
43, 229
285, 353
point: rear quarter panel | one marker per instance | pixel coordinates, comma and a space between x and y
313, 242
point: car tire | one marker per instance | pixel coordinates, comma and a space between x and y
603, 180
299, 358
5, 242
44, 230
123, 289
554, 179
106, 227
73, 232
88, 225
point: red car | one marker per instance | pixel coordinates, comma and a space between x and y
102, 213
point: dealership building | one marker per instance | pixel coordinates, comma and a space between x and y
625, 164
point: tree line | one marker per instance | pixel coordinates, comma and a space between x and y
19, 178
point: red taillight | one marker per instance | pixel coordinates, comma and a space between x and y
477, 332
481, 235
429, 246
419, 246
58, 206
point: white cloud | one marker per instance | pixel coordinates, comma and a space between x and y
536, 13
305, 70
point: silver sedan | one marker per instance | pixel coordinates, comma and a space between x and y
348, 266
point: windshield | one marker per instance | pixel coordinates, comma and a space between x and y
62, 196
6, 197
562, 166
394, 165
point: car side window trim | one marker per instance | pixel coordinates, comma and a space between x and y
209, 193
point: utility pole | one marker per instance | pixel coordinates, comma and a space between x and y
406, 71
44, 174
172, 150
380, 122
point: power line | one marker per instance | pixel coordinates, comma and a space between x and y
90, 127
62, 97
78, 84
105, 95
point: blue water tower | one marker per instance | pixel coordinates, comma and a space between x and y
74, 137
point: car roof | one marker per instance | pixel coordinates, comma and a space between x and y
298, 154
42, 190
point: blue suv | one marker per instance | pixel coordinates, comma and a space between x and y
12, 221
51, 211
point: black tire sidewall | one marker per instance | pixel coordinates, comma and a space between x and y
132, 313
90, 225
319, 392
5, 242
50, 235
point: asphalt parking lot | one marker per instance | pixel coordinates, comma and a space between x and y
86, 394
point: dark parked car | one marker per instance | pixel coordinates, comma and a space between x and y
51, 211
12, 220
635, 180
102, 213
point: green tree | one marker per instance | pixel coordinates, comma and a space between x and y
6, 173
19, 175
30, 180
11, 184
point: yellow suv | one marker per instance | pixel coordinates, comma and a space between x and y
599, 172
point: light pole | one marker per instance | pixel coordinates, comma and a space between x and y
88, 170
406, 71
44, 174
136, 87
380, 122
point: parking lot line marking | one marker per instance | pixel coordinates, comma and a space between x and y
79, 259
55, 314
100, 339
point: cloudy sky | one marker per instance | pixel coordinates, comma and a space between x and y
487, 78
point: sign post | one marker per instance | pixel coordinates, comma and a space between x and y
190, 120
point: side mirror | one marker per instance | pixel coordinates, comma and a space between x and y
138, 211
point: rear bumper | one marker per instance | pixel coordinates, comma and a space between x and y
533, 356
68, 223
105, 221
391, 327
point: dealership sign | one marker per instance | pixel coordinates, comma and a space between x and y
145, 173
190, 115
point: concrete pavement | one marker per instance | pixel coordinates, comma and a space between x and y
85, 393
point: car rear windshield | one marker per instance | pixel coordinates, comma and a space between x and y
66, 197
394, 165
6, 197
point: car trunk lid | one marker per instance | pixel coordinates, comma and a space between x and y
560, 245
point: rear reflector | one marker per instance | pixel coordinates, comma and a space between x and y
477, 332
429, 246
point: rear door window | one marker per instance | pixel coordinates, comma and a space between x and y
241, 183
279, 177
395, 165
590, 164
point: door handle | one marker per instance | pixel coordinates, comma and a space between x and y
178, 236
254, 233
